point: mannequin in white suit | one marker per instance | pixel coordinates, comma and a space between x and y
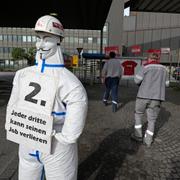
69, 109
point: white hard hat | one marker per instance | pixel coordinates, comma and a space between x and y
50, 25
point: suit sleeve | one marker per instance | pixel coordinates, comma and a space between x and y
76, 111
139, 76
167, 80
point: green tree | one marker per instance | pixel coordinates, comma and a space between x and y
30, 56
19, 54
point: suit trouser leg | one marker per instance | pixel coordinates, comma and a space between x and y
152, 114
140, 108
30, 168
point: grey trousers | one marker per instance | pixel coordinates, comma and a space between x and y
151, 107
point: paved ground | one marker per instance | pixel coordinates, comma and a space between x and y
106, 151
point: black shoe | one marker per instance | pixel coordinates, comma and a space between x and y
114, 107
136, 138
105, 103
147, 141
146, 144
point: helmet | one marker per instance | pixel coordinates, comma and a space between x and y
50, 25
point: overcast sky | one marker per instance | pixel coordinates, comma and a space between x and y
126, 11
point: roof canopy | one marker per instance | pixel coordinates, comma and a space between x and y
164, 6
73, 14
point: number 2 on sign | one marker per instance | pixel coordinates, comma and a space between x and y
37, 89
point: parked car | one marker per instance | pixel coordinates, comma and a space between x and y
176, 73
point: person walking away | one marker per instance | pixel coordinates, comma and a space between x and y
69, 107
152, 80
111, 75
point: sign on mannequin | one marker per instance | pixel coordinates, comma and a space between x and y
33, 131
36, 92
29, 121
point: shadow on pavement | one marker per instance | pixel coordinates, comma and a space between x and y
106, 161
172, 96
175, 171
163, 118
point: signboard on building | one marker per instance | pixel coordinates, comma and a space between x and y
109, 49
158, 51
165, 50
136, 49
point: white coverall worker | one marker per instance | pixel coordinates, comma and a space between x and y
69, 110
152, 80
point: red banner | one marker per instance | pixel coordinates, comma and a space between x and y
158, 51
136, 49
109, 49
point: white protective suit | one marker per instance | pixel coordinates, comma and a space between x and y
69, 111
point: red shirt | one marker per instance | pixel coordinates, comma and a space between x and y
129, 67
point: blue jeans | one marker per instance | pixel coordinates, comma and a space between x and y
112, 85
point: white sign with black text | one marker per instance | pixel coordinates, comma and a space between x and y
30, 129
29, 120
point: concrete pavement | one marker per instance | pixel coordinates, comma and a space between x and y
112, 155
106, 151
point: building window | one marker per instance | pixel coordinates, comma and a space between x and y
105, 41
28, 38
5, 37
10, 49
76, 40
24, 39
34, 39
80, 40
9, 38
14, 38
98, 40
90, 40
94, 40
6, 50
66, 39
1, 49
90, 51
1, 37
19, 38
71, 39
105, 29
85, 40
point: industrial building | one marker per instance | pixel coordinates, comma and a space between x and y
25, 38
153, 31
146, 29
